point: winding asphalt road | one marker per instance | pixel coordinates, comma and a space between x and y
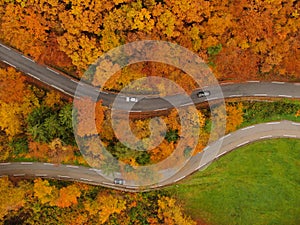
68, 86
232, 141
51, 77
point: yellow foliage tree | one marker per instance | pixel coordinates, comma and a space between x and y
4, 148
234, 116
11, 198
11, 118
83, 50
30, 102
167, 23
171, 213
104, 206
140, 128
172, 120
44, 191
52, 98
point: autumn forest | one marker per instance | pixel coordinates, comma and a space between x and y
240, 40
255, 39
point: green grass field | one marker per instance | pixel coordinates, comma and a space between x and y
256, 184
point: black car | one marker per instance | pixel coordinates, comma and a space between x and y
201, 94
119, 181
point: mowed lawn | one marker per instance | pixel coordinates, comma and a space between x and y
255, 184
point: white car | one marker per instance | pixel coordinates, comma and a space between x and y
201, 94
131, 99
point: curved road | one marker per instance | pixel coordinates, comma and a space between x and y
231, 141
279, 129
68, 86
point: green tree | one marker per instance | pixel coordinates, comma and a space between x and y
143, 158
52, 127
214, 50
46, 124
172, 135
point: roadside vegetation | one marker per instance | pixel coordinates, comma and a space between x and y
261, 112
55, 202
36, 124
39, 125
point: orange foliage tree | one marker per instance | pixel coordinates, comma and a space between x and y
24, 28
12, 94
68, 196
161, 152
64, 197
12, 86
86, 119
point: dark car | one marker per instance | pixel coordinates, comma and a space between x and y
201, 94
119, 181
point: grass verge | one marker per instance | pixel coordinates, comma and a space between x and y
262, 112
